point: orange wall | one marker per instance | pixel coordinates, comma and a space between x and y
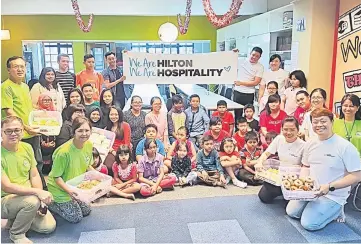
344, 45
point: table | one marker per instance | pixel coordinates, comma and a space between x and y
208, 99
146, 92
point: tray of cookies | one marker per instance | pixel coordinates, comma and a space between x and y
296, 187
90, 185
269, 172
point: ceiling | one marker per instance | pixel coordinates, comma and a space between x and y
128, 7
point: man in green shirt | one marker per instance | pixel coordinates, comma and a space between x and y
16, 101
22, 194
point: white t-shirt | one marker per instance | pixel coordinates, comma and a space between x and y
330, 160
279, 76
288, 153
291, 102
248, 71
306, 126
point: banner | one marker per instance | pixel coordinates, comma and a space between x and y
352, 81
205, 68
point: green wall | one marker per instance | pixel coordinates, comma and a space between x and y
107, 28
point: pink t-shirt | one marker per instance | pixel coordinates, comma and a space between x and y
291, 103
125, 174
272, 124
160, 120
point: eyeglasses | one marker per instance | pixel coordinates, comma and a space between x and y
10, 132
137, 102
46, 100
317, 98
21, 67
272, 89
155, 147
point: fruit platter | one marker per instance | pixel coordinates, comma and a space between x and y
48, 122
296, 187
90, 186
269, 172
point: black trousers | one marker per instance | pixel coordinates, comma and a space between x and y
35, 144
242, 98
269, 192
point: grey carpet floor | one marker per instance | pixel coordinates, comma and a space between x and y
242, 219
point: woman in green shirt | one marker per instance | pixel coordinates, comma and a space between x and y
70, 160
348, 125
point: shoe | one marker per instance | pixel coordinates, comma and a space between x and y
20, 240
238, 183
228, 179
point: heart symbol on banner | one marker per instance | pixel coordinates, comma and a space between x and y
227, 68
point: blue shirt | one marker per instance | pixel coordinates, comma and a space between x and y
140, 147
209, 162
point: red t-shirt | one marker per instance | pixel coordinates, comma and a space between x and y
240, 140
234, 153
103, 169
272, 124
217, 141
125, 174
299, 114
126, 137
245, 154
227, 120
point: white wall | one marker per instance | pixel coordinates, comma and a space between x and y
125, 7
273, 4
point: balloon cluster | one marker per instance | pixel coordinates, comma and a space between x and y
79, 19
224, 20
183, 27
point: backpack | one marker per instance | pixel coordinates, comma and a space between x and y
355, 197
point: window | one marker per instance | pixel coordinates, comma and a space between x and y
174, 48
53, 49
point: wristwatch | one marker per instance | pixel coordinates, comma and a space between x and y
331, 188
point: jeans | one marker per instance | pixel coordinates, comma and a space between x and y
35, 144
314, 215
244, 99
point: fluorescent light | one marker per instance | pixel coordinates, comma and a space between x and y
5, 35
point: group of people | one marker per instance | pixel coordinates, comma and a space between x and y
155, 151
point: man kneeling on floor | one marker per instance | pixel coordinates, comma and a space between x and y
22, 196
23, 200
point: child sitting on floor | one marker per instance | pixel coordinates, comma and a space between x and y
182, 166
249, 155
209, 169
100, 167
253, 124
98, 162
242, 127
125, 175
182, 136
268, 139
151, 171
151, 131
231, 161
225, 116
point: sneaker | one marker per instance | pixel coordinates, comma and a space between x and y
240, 184
228, 179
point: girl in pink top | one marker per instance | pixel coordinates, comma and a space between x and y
100, 167
125, 175
182, 136
159, 119
299, 83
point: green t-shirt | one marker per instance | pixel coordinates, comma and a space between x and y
16, 97
17, 165
68, 163
339, 129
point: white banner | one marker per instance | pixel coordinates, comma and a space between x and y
204, 68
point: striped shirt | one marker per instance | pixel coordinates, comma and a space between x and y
66, 81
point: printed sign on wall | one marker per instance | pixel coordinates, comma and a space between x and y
352, 81
205, 68
349, 22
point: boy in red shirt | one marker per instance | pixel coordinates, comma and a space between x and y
249, 155
226, 116
242, 127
